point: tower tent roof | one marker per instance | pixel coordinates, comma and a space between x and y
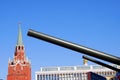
19, 41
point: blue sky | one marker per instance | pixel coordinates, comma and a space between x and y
92, 23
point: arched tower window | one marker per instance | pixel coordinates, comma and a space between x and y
12, 63
22, 48
18, 47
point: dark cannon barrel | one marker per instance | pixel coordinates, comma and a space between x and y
102, 64
75, 47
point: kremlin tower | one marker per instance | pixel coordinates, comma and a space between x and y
19, 68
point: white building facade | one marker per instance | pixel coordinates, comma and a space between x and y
72, 72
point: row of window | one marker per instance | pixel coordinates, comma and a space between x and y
74, 76
106, 73
19, 47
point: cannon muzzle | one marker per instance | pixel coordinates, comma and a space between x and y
75, 47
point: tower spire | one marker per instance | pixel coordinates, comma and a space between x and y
19, 42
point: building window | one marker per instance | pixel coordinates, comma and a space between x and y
22, 47
12, 63
18, 47
38, 77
